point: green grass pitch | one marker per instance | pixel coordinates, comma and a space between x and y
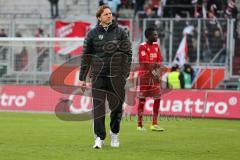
28, 136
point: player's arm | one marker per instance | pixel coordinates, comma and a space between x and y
159, 59
85, 60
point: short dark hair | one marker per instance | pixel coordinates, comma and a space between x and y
174, 67
101, 10
149, 31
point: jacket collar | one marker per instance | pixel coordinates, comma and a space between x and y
110, 27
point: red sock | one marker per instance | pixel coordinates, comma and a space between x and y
155, 111
140, 111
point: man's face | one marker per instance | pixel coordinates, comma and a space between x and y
153, 37
106, 17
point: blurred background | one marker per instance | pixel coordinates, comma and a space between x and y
37, 36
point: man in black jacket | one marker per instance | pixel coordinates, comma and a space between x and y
107, 51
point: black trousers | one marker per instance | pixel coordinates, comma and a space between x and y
111, 88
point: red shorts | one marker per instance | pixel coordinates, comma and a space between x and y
148, 87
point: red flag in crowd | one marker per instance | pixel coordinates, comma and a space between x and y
70, 30
182, 52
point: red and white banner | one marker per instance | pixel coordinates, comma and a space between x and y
198, 103
208, 77
194, 103
67, 29
182, 52
26, 98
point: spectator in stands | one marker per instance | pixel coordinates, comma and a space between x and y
159, 10
170, 9
39, 33
214, 31
218, 47
18, 34
154, 5
42, 50
231, 10
102, 2
20, 54
114, 4
237, 29
188, 75
197, 8
3, 49
178, 8
3, 33
213, 35
215, 7
127, 4
149, 13
175, 78
187, 10
21, 60
54, 8
190, 32
138, 6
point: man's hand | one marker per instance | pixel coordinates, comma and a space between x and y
83, 86
155, 65
155, 75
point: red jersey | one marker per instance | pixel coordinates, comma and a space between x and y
149, 53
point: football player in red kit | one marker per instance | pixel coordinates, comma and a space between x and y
150, 60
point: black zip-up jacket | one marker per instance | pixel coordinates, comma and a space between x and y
106, 52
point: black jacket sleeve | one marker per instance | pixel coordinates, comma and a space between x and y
86, 57
127, 57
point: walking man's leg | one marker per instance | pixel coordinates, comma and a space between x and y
115, 98
99, 97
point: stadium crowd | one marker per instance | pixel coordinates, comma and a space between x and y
213, 41
176, 8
